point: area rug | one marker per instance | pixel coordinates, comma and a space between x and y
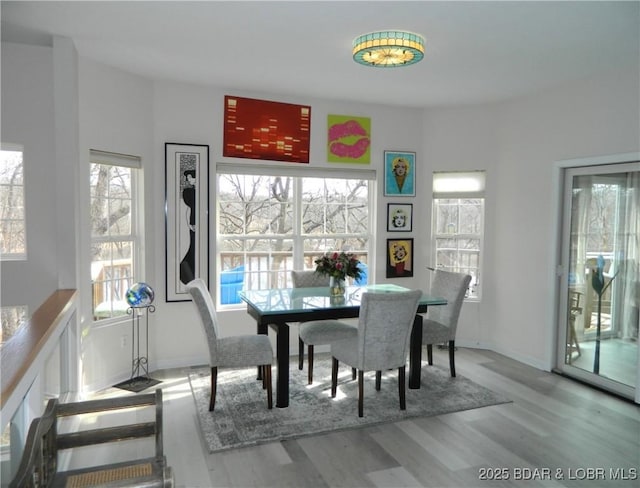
241, 417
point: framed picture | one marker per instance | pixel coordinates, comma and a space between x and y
399, 217
348, 139
399, 258
399, 173
263, 129
186, 217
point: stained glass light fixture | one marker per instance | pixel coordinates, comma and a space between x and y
388, 49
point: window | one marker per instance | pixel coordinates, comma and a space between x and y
13, 241
269, 225
458, 224
115, 231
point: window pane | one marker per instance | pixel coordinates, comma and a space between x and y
111, 272
111, 200
357, 218
11, 318
446, 216
258, 231
230, 215
455, 220
114, 233
334, 206
12, 213
12, 240
470, 217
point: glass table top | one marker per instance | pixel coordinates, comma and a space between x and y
296, 300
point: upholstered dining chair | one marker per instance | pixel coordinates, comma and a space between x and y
441, 322
317, 332
230, 352
382, 341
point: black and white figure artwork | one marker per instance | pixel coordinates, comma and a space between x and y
399, 217
187, 239
186, 207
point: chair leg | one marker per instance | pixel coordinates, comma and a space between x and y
353, 373
267, 375
452, 362
263, 370
360, 393
402, 388
214, 383
310, 362
300, 353
430, 354
334, 376
378, 380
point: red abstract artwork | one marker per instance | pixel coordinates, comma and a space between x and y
261, 129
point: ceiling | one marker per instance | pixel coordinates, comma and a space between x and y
476, 52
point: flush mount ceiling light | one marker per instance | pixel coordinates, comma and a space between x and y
388, 49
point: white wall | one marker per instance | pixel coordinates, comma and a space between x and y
518, 143
28, 119
598, 117
116, 115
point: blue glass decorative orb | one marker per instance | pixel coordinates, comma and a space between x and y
140, 295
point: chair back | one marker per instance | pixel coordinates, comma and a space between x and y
309, 279
206, 311
384, 329
452, 287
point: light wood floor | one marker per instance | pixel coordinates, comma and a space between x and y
562, 431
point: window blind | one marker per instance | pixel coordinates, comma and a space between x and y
115, 159
296, 171
459, 184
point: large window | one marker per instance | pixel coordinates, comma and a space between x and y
13, 245
115, 231
458, 224
269, 225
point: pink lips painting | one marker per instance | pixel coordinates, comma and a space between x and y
348, 139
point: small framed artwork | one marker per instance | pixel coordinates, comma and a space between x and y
186, 217
399, 217
399, 173
399, 258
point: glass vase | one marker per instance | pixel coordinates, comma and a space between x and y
336, 286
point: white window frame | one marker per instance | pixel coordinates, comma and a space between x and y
297, 236
136, 237
459, 185
17, 256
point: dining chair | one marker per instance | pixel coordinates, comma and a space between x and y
317, 332
381, 343
441, 322
230, 352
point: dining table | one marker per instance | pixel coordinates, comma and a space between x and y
278, 307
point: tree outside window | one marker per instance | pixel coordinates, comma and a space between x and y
270, 225
13, 243
458, 224
114, 236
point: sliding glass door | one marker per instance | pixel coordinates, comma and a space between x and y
600, 290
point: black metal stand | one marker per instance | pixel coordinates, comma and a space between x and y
140, 379
596, 358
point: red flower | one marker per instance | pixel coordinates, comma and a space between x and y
339, 265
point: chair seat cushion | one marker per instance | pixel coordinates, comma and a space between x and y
326, 331
434, 332
242, 351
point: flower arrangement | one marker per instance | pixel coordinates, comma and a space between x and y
339, 265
